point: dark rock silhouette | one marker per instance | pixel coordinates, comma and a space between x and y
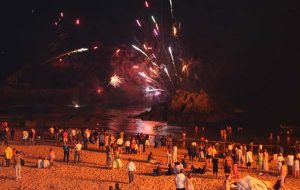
187, 107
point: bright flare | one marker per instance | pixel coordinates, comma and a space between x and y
115, 80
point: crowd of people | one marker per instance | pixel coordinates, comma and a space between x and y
231, 156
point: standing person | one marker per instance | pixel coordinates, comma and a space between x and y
156, 141
228, 165
127, 146
12, 134
133, 146
120, 142
215, 161
17, 164
169, 155
180, 181
52, 134
296, 167
77, 149
131, 169
66, 149
290, 163
249, 159
101, 141
108, 156
25, 136
188, 182
65, 136
174, 153
266, 161
8, 154
259, 162
235, 165
279, 162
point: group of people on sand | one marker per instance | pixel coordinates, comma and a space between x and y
231, 156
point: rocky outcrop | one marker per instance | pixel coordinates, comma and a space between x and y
187, 107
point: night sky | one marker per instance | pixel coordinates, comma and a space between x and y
257, 41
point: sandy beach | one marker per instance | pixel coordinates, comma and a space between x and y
92, 173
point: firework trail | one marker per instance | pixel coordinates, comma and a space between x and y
171, 54
80, 50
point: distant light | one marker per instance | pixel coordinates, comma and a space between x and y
146, 4
62, 14
135, 66
76, 106
95, 47
55, 23
77, 22
60, 59
32, 10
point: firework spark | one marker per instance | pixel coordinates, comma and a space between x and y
115, 80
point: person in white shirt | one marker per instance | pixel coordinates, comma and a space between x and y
77, 149
120, 145
290, 163
131, 169
180, 181
249, 159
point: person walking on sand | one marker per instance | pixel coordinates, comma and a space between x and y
180, 181
17, 165
8, 154
77, 149
131, 169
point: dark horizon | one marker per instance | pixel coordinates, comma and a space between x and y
251, 45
